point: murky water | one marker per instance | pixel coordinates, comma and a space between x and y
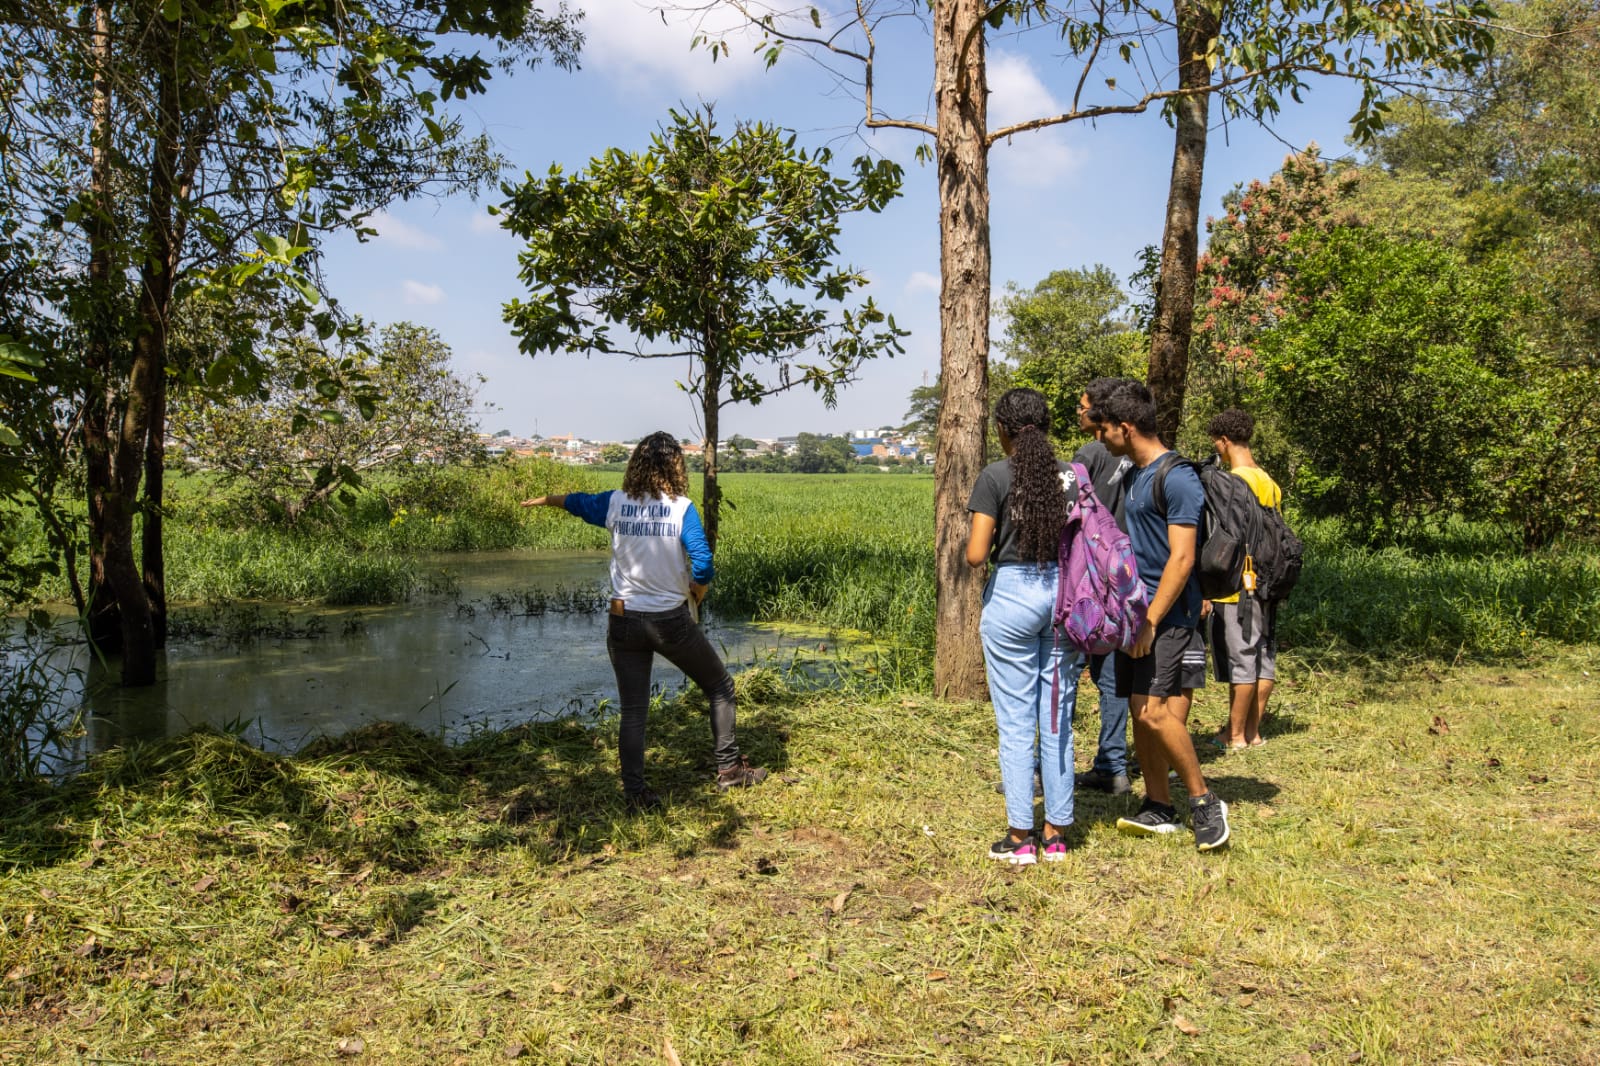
503, 647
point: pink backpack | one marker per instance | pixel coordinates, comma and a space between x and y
1100, 600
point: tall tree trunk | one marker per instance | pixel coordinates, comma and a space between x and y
153, 554
144, 401
961, 98
101, 344
1198, 24
710, 491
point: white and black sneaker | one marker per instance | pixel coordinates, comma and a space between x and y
1153, 819
1209, 816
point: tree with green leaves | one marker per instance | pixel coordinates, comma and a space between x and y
1065, 331
180, 150
1119, 61
1381, 368
425, 415
715, 249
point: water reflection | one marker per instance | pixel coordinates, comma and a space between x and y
503, 648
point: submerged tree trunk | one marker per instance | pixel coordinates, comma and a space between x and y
1198, 25
961, 99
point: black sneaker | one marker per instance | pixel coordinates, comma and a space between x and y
643, 802
740, 775
1024, 852
1153, 819
1100, 781
1038, 786
1209, 816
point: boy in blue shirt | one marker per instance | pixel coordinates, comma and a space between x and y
1168, 659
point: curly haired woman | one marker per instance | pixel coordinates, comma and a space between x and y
660, 569
1018, 507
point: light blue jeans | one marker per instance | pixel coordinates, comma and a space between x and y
1021, 656
1111, 756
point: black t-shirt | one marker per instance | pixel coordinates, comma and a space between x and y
989, 497
1109, 474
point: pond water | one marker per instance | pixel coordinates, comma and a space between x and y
513, 637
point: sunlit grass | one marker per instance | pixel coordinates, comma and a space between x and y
1411, 880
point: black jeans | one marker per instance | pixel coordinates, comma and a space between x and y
633, 639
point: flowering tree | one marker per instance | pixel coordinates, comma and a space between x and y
1248, 263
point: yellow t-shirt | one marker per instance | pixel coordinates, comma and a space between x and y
1266, 491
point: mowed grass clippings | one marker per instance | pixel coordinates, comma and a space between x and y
1413, 880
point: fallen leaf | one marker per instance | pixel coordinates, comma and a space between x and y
17, 973
670, 1053
362, 874
1185, 1026
1493, 763
85, 949
351, 1045
1538, 779
1439, 727
1245, 1001
516, 1051
204, 883
937, 975
837, 906
1246, 987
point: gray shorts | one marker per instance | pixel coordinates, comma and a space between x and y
1236, 658
1176, 664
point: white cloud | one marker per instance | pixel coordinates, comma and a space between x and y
632, 44
418, 292
484, 223
402, 234
1016, 94
922, 281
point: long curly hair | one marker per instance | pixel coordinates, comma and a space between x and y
1036, 505
655, 470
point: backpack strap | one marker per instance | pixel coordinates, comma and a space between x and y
1158, 491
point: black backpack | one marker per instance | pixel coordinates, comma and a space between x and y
1231, 525
1278, 558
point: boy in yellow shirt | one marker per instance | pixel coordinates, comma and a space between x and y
1243, 656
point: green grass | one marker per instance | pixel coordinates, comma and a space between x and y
1412, 880
855, 552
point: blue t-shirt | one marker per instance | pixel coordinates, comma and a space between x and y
1147, 529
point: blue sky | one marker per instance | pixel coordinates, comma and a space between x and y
1069, 196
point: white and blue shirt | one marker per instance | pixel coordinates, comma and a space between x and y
657, 546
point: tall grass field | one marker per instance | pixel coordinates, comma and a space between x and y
856, 551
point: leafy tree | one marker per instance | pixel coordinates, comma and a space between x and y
1383, 366
922, 416
614, 453
1266, 228
1254, 55
425, 415
1507, 165
815, 454
711, 248
182, 150
1066, 331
